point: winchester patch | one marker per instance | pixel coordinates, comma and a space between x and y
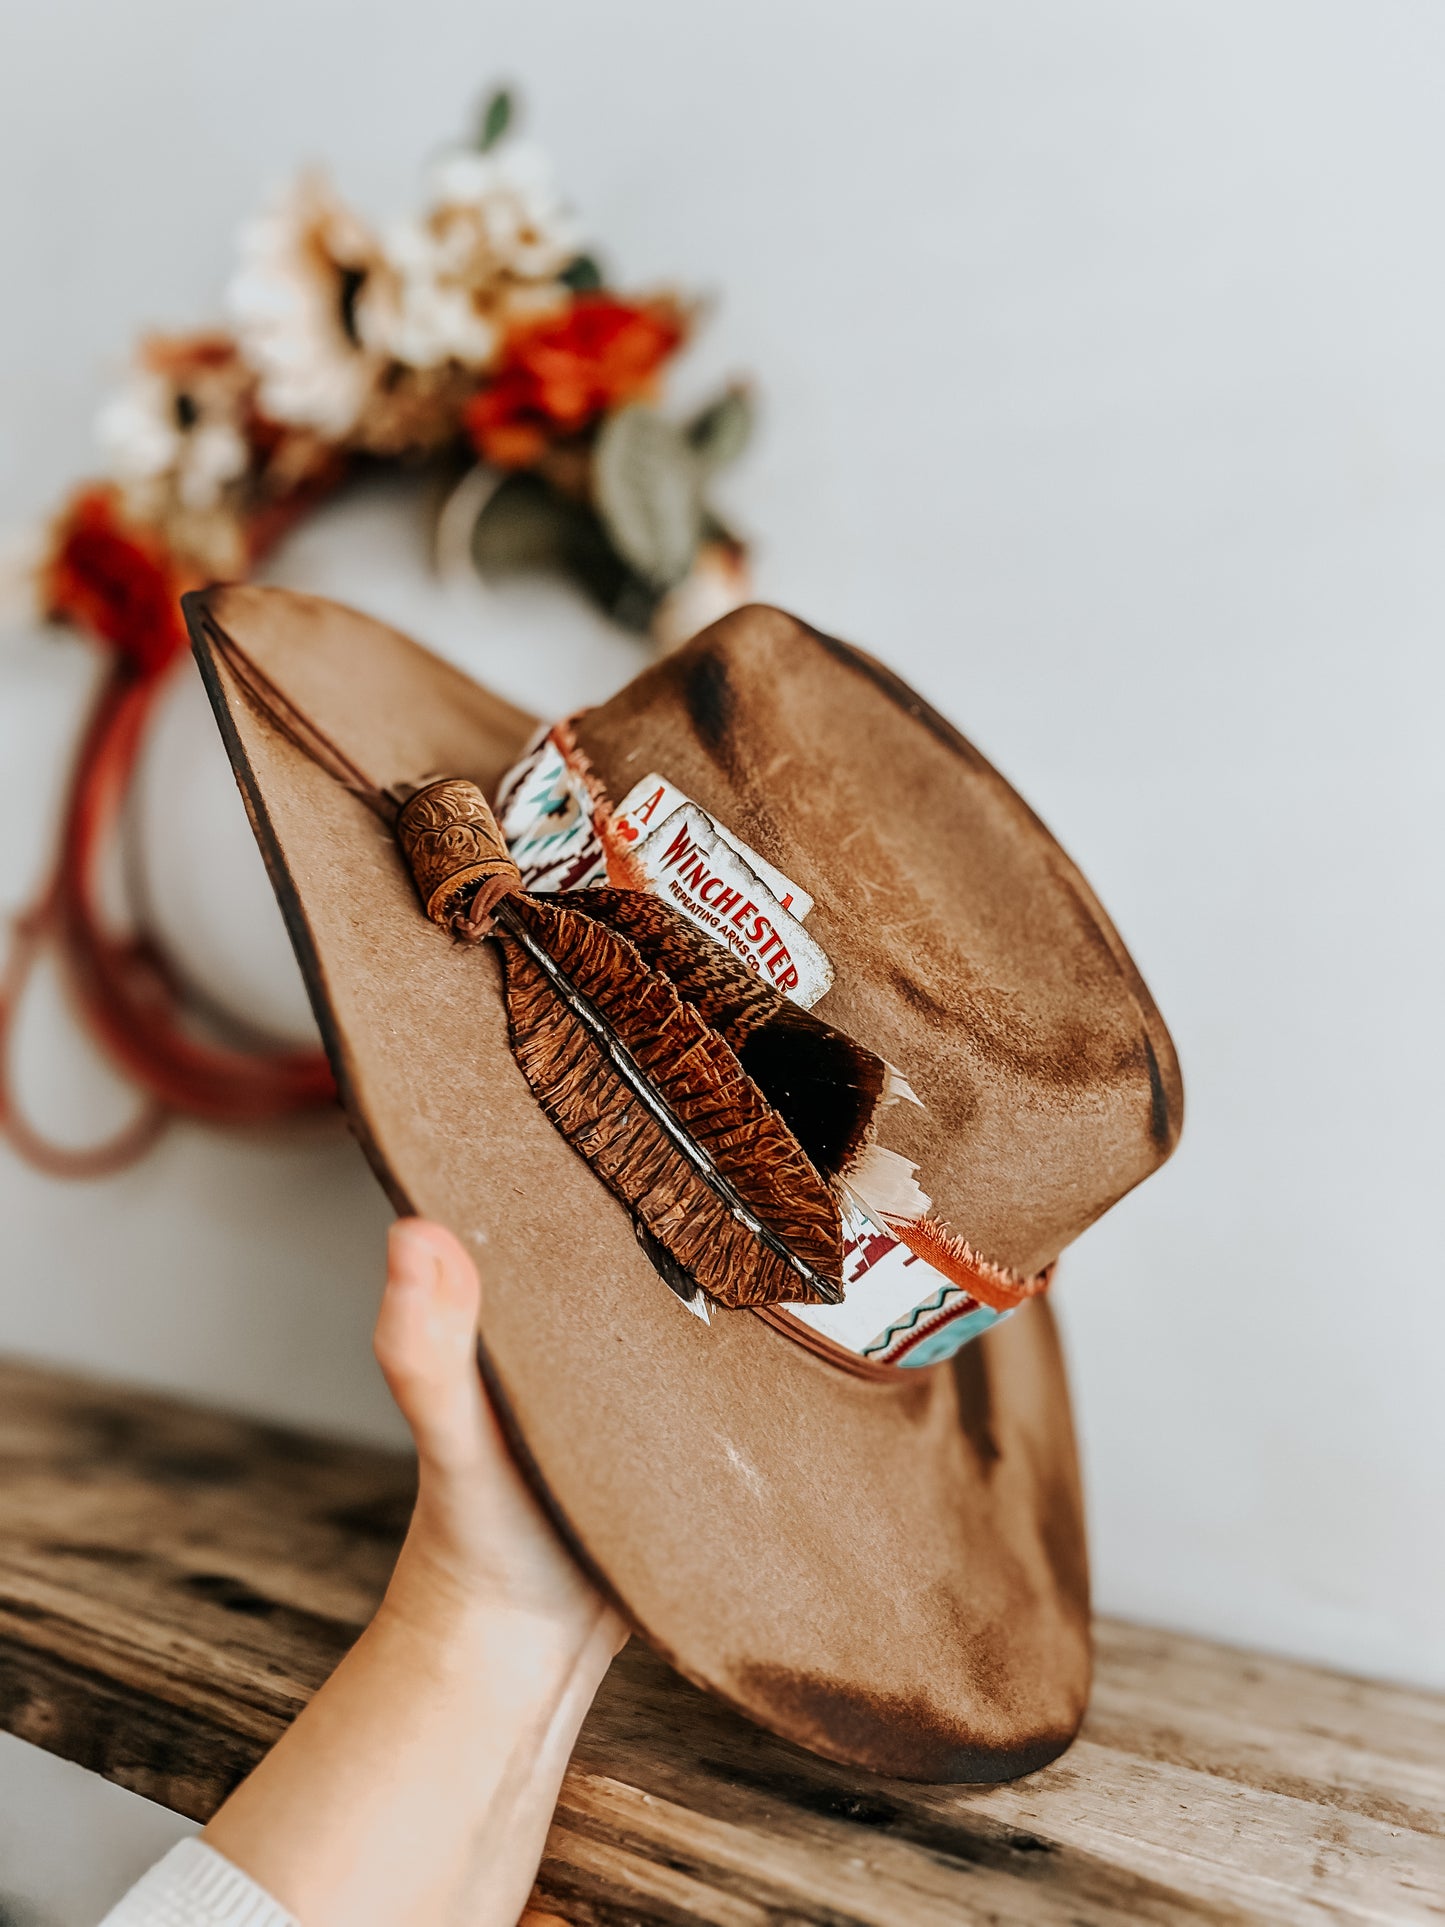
686, 860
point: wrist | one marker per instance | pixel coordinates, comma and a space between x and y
469, 1632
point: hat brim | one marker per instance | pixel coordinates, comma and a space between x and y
889, 1572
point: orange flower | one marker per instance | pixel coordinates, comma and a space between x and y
559, 373
117, 581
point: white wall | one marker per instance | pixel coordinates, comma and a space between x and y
1104, 354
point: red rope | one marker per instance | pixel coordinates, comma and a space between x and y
130, 1001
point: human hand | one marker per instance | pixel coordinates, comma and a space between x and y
416, 1788
478, 1540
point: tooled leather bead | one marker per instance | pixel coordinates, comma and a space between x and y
452, 844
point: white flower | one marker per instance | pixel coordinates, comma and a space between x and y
154, 431
177, 435
435, 318
137, 429
717, 584
494, 238
308, 275
176, 432
508, 201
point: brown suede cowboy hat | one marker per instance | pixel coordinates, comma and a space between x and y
772, 1003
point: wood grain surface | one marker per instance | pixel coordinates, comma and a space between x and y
175, 1583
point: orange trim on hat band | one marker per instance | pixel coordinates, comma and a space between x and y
955, 1258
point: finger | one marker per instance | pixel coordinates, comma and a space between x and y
425, 1342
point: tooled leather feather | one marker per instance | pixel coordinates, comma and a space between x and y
826, 1086
697, 1076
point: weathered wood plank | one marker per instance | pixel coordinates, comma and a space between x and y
175, 1583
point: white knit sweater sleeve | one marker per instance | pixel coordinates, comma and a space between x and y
194, 1886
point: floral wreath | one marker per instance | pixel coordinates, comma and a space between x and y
480, 334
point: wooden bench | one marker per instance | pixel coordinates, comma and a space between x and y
175, 1583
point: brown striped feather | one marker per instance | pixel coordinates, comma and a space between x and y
742, 1153
826, 1086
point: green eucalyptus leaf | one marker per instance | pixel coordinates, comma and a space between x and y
582, 275
527, 527
722, 430
496, 118
600, 572
633, 603
523, 527
648, 484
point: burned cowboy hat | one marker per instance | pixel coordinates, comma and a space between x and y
766, 1050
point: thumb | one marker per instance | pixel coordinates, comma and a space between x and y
425, 1342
